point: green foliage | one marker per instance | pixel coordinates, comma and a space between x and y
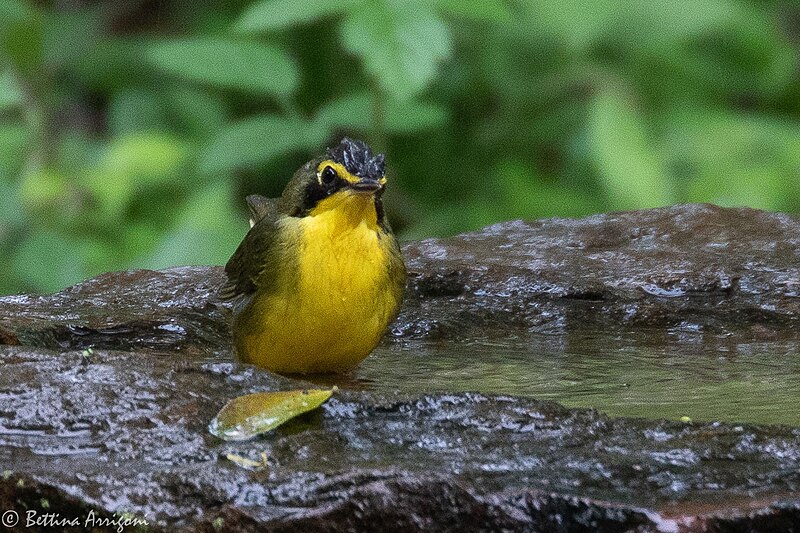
628, 165
10, 93
480, 10
247, 66
400, 43
257, 140
269, 15
128, 138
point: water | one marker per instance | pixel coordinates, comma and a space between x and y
673, 375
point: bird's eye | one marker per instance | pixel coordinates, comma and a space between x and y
328, 175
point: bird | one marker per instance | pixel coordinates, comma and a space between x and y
319, 276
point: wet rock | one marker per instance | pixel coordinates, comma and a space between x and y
108, 388
713, 268
118, 433
173, 310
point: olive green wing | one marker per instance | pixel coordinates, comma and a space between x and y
260, 207
258, 252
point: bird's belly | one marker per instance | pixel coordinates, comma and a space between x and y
333, 314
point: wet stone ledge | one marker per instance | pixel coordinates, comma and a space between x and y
121, 428
692, 266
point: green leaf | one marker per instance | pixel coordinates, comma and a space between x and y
20, 34
206, 231
258, 140
279, 14
682, 19
138, 238
43, 189
14, 11
10, 93
735, 159
412, 116
481, 10
576, 23
80, 28
13, 142
522, 191
243, 65
22, 43
199, 112
48, 261
355, 112
757, 187
253, 414
147, 157
11, 213
136, 110
400, 43
130, 164
113, 65
630, 168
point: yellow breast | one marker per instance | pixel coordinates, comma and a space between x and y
336, 301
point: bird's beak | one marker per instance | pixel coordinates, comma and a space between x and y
366, 186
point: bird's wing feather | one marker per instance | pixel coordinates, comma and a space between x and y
254, 255
260, 207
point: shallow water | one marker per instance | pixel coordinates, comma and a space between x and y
673, 375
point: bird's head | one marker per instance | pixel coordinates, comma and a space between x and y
347, 173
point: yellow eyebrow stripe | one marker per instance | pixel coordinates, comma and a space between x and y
340, 170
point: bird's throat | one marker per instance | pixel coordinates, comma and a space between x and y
345, 211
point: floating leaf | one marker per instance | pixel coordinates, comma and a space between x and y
252, 414
243, 65
249, 464
278, 14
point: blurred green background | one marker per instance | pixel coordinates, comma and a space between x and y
130, 131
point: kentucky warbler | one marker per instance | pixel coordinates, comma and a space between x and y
319, 276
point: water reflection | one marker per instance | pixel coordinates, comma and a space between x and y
682, 372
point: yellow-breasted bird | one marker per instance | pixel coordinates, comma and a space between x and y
319, 276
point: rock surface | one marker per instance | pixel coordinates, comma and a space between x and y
121, 428
700, 264
703, 264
